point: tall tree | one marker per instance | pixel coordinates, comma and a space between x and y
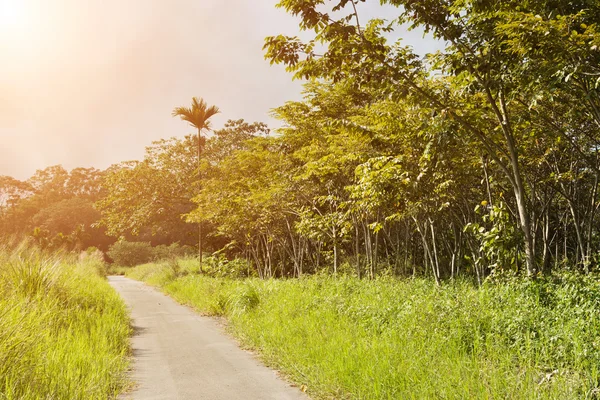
198, 115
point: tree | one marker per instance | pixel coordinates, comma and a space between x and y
198, 116
238, 193
147, 199
75, 216
245, 198
327, 138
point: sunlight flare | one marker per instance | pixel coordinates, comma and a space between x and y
13, 15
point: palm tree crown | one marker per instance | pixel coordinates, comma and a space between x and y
198, 114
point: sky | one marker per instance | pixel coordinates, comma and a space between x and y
91, 83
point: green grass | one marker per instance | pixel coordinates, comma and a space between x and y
64, 333
389, 339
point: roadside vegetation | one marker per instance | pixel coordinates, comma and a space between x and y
409, 339
64, 333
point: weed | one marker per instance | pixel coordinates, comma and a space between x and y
63, 331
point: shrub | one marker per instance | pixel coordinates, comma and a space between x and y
172, 251
219, 266
94, 257
129, 254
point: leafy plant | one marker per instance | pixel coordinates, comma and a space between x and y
128, 254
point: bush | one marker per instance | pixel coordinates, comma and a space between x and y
129, 254
95, 257
218, 266
173, 251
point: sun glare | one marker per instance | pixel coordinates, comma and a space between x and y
12, 14
20, 26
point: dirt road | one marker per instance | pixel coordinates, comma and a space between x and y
181, 355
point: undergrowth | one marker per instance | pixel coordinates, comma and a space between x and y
64, 333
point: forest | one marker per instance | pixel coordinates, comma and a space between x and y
479, 158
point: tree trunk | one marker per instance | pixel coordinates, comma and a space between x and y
427, 252
435, 252
515, 177
357, 248
199, 183
335, 250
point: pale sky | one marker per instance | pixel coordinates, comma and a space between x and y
89, 83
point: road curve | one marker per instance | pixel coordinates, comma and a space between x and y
181, 355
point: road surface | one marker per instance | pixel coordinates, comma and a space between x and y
180, 355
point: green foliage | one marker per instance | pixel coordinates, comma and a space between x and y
172, 251
242, 197
198, 115
386, 338
64, 333
514, 82
129, 254
55, 208
146, 199
66, 215
497, 239
218, 266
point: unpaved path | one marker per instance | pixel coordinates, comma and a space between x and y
181, 355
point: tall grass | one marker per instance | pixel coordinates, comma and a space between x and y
388, 339
63, 330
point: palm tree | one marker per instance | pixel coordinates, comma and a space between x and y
198, 116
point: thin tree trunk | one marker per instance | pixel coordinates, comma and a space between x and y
591, 217
517, 180
376, 249
435, 252
427, 252
357, 248
199, 185
335, 249
577, 226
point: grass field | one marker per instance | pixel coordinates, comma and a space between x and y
346, 338
64, 333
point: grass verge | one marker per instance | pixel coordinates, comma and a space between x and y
388, 339
64, 333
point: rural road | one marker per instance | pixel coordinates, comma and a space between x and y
180, 355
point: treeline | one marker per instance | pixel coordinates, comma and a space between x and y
55, 208
481, 157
